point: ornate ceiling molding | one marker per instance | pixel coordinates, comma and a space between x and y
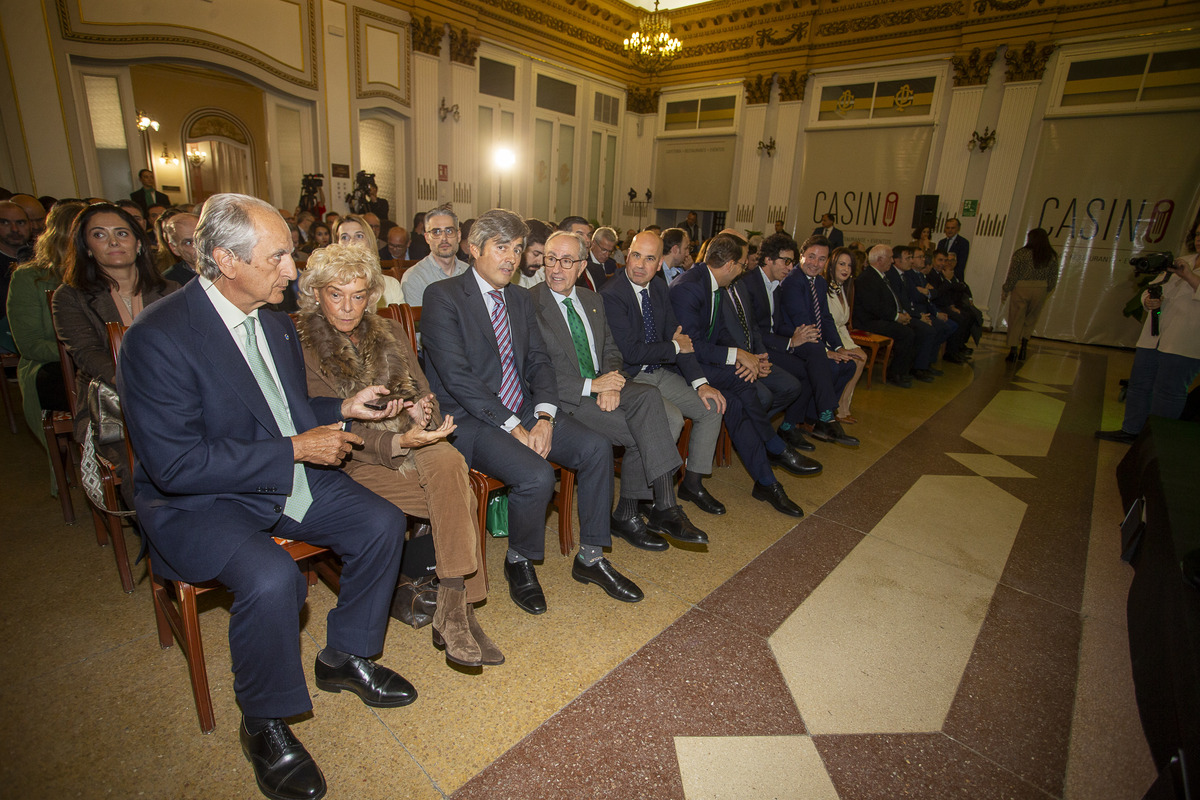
974, 68
427, 37
891, 19
1028, 63
758, 89
463, 46
791, 85
639, 100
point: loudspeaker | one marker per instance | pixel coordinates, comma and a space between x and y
925, 211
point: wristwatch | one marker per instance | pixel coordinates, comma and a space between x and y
545, 417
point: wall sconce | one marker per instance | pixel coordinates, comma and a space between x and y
196, 156
144, 122
447, 111
168, 158
767, 147
982, 141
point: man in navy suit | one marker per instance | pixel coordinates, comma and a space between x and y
832, 234
877, 309
227, 439
486, 360
956, 246
147, 197
714, 317
657, 352
930, 331
600, 265
804, 325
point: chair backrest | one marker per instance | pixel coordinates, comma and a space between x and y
116, 334
407, 319
64, 358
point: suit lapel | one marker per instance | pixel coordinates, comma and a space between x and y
547, 309
476, 308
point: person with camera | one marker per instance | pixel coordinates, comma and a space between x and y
1168, 352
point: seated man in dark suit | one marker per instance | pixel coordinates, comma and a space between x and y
804, 325
931, 330
600, 264
877, 309
592, 389
708, 311
953, 296
227, 438
147, 197
179, 231
920, 296
659, 353
486, 360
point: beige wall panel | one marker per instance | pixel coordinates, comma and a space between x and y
384, 51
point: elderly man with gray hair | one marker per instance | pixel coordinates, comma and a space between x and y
600, 263
179, 231
877, 309
230, 453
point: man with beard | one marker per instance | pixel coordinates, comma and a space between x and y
442, 234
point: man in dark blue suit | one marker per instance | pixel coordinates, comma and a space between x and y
714, 317
227, 439
956, 246
832, 234
486, 360
803, 323
930, 331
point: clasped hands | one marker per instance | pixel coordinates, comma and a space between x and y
328, 445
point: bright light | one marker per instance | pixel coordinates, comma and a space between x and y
504, 158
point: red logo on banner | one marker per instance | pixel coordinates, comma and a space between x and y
443, 172
889, 209
1160, 218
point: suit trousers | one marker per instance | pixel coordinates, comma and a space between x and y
681, 401
821, 380
530, 478
1024, 307
748, 423
432, 483
639, 424
269, 591
904, 348
926, 342
778, 391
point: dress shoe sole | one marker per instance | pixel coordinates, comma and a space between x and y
440, 644
582, 579
643, 544
334, 688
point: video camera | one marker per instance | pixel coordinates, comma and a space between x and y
358, 199
309, 184
1152, 263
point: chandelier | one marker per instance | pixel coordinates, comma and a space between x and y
653, 47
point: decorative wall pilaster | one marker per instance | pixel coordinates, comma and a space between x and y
965, 104
783, 172
425, 129
463, 158
752, 131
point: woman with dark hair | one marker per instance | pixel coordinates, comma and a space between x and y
319, 235
108, 276
839, 275
1032, 276
922, 240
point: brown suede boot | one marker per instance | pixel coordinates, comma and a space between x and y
451, 629
489, 653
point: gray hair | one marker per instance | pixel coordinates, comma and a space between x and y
442, 211
881, 254
580, 243
173, 221
227, 223
336, 265
605, 234
498, 223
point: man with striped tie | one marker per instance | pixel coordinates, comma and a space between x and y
487, 362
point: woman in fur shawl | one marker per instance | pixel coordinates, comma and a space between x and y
405, 459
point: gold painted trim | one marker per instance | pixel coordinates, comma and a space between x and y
307, 81
17, 103
405, 36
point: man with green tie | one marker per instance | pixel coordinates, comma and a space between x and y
147, 196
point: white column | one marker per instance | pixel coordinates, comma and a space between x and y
783, 168
955, 157
636, 141
1005, 159
340, 124
425, 131
742, 204
463, 158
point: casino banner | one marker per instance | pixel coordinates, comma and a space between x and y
1108, 189
868, 179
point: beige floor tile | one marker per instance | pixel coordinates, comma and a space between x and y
1052, 368
1016, 424
752, 768
881, 645
1038, 387
965, 521
989, 466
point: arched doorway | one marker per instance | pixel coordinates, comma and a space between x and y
220, 155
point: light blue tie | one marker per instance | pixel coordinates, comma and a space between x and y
301, 497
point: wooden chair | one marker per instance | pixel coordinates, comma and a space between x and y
58, 428
873, 343
175, 609
9, 361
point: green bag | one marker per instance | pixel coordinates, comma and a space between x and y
497, 513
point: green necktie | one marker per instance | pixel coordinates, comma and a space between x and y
716, 304
301, 497
579, 338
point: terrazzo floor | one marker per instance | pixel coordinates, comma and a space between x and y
947, 621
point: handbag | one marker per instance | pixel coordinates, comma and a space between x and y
106, 426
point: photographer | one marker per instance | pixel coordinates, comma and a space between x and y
1165, 364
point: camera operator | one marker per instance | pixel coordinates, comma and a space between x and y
1165, 364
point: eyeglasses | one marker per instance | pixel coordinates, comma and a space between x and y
606, 250
566, 262
438, 233
787, 262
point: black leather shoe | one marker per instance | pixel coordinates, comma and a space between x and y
523, 587
674, 523
604, 575
954, 358
282, 767
903, 382
1118, 436
833, 432
795, 439
375, 684
922, 375
778, 498
795, 463
637, 534
702, 500
934, 371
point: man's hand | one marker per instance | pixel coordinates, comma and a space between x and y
803, 335
608, 401
608, 382
326, 445
746, 365
903, 318
837, 355
925, 318
418, 437
356, 408
764, 365
711, 397
683, 340
540, 437
943, 317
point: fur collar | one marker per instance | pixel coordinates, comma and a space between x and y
377, 360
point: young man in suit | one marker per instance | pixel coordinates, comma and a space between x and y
659, 353
832, 235
147, 197
592, 389
485, 358
709, 312
956, 246
227, 439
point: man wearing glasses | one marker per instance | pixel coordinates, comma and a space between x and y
600, 264
442, 236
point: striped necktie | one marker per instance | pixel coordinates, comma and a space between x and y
510, 384
812, 289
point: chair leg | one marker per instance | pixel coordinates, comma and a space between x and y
160, 595
58, 462
116, 534
871, 365
194, 650
100, 525
479, 487
563, 500
8, 404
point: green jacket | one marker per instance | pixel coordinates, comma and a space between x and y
33, 331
